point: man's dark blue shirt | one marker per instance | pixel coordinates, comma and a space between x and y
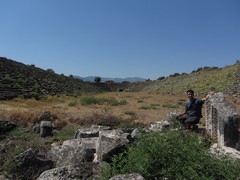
194, 108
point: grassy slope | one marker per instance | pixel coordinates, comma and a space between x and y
202, 81
26, 80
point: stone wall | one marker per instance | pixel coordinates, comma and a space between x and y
222, 121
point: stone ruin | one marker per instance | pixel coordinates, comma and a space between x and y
222, 121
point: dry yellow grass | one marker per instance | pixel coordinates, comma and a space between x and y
141, 108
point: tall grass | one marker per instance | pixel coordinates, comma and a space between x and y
65, 134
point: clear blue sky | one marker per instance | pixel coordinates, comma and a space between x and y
121, 38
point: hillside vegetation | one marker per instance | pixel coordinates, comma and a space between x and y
201, 80
20, 80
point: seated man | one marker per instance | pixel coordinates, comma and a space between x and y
193, 111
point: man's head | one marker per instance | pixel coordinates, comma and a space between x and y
190, 94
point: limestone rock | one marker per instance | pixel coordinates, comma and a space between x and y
133, 176
222, 121
6, 126
29, 166
110, 142
79, 171
73, 152
92, 132
46, 128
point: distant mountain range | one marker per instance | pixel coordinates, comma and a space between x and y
104, 79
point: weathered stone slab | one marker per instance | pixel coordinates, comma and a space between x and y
93, 131
79, 171
29, 166
133, 176
222, 121
46, 128
66, 154
110, 142
6, 126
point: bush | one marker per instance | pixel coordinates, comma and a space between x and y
131, 113
171, 155
50, 71
161, 78
7, 79
174, 75
35, 95
73, 103
146, 107
169, 106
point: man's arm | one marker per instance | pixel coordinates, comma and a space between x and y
183, 113
209, 94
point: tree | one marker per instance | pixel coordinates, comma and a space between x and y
97, 79
161, 78
50, 71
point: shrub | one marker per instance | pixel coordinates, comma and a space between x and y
50, 71
35, 95
140, 101
171, 155
154, 105
7, 79
88, 100
174, 75
169, 106
73, 103
131, 113
122, 102
151, 106
161, 78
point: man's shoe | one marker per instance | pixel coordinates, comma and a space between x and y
195, 127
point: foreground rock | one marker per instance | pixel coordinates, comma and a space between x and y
28, 166
220, 151
7, 126
96, 144
81, 158
74, 172
222, 121
133, 176
73, 151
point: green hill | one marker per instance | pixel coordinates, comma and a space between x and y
20, 80
202, 80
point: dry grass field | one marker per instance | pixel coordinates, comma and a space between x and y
104, 108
